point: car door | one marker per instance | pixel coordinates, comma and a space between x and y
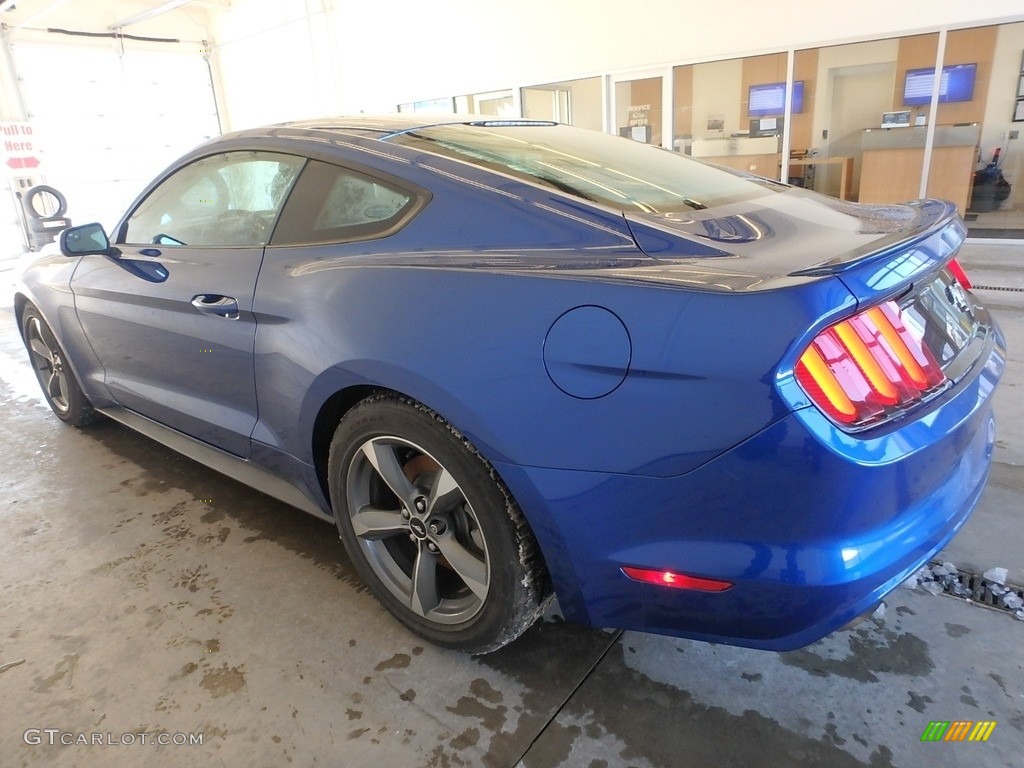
171, 317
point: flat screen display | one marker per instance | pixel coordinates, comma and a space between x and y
956, 84
770, 99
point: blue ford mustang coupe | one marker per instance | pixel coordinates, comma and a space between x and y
515, 359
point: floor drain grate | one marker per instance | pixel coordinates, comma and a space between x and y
947, 579
996, 288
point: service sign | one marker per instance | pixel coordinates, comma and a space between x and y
19, 149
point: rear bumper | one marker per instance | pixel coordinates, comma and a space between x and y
813, 526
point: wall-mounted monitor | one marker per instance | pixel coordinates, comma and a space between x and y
956, 84
769, 100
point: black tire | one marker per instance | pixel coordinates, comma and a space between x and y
56, 379
453, 560
43, 189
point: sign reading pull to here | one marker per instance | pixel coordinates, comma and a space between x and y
19, 151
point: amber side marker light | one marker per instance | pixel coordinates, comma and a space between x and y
676, 580
863, 369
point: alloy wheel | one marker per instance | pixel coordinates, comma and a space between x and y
49, 366
418, 530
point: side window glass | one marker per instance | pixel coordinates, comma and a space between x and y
230, 199
331, 204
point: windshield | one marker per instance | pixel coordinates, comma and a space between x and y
615, 171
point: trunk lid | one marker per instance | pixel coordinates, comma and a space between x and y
891, 253
792, 236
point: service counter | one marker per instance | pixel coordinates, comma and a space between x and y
758, 155
892, 160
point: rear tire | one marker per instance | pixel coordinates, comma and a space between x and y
431, 528
56, 379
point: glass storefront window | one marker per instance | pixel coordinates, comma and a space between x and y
996, 200
428, 106
874, 107
732, 112
638, 109
867, 121
492, 103
575, 102
861, 141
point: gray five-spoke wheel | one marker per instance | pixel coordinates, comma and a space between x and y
431, 528
49, 366
417, 530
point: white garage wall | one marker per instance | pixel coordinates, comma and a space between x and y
382, 54
108, 114
109, 120
278, 74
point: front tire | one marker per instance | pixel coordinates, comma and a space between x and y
431, 529
56, 379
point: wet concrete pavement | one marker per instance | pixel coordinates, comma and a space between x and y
149, 595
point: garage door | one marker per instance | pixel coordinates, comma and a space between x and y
110, 120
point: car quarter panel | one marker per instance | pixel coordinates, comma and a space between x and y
803, 561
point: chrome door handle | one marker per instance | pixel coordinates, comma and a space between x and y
215, 304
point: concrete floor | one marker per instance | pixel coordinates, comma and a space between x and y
147, 594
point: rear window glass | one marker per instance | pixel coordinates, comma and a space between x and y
331, 204
611, 170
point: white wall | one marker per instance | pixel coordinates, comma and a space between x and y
715, 85
276, 61
835, 60
69, 82
587, 104
383, 54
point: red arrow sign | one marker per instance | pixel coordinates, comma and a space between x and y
23, 162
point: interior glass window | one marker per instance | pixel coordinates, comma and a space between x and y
227, 200
333, 204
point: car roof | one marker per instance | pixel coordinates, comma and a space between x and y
377, 126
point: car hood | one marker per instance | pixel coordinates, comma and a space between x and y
785, 236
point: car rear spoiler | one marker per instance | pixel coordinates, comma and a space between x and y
897, 261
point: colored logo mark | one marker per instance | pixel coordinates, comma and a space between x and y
958, 730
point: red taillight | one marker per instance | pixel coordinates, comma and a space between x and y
868, 366
676, 580
958, 273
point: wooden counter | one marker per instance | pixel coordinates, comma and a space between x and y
759, 165
892, 162
758, 155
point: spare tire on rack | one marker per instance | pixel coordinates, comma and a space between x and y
44, 208
36, 199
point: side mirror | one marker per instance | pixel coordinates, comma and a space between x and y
84, 240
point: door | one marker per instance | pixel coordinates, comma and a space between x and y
638, 108
860, 94
171, 318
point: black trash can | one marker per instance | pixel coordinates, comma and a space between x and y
990, 187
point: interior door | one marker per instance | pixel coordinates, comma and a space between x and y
860, 94
171, 317
638, 107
